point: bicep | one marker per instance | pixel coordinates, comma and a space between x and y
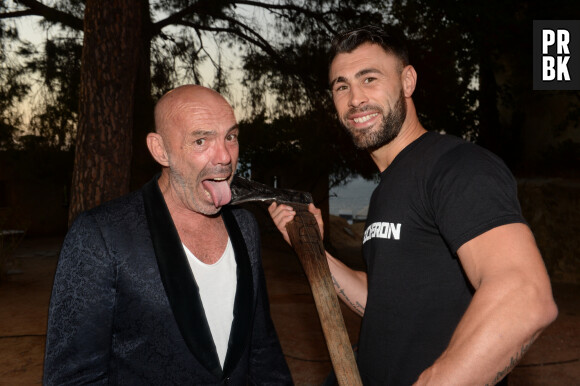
507, 251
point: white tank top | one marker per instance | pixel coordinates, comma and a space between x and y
217, 289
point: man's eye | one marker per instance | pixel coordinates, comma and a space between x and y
232, 137
369, 80
340, 88
200, 142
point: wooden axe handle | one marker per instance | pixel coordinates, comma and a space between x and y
307, 242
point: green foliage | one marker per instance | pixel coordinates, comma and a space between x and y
13, 86
473, 59
55, 117
442, 50
278, 51
312, 143
294, 122
280, 47
42, 82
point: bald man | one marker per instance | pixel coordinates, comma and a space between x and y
165, 285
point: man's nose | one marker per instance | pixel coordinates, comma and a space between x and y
222, 154
357, 97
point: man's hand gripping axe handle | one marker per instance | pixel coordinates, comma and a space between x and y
307, 243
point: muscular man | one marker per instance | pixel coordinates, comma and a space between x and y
165, 285
455, 289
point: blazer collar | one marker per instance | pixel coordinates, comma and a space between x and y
182, 290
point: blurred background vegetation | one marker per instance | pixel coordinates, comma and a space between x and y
86, 84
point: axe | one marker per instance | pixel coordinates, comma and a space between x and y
307, 243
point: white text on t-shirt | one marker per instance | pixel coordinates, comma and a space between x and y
383, 230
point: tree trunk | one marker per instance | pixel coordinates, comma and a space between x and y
113, 33
143, 166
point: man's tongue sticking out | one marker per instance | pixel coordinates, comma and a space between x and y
219, 191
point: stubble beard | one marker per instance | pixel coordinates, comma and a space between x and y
186, 191
389, 128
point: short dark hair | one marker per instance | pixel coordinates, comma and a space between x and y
391, 39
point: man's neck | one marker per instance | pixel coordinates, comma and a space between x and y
411, 130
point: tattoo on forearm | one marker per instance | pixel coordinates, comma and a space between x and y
356, 306
513, 362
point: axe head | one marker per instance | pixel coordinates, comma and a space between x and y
244, 190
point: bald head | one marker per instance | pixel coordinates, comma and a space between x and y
189, 111
184, 100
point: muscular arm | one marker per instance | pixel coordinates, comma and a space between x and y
350, 285
512, 304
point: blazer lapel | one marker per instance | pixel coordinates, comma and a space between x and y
178, 280
243, 309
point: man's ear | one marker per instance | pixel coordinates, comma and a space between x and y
409, 79
157, 148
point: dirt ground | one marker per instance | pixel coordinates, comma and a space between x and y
553, 360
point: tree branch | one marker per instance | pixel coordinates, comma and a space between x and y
252, 32
290, 7
243, 31
263, 45
9, 15
52, 14
176, 18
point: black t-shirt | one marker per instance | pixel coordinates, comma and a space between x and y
438, 193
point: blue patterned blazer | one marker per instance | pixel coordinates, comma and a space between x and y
125, 308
